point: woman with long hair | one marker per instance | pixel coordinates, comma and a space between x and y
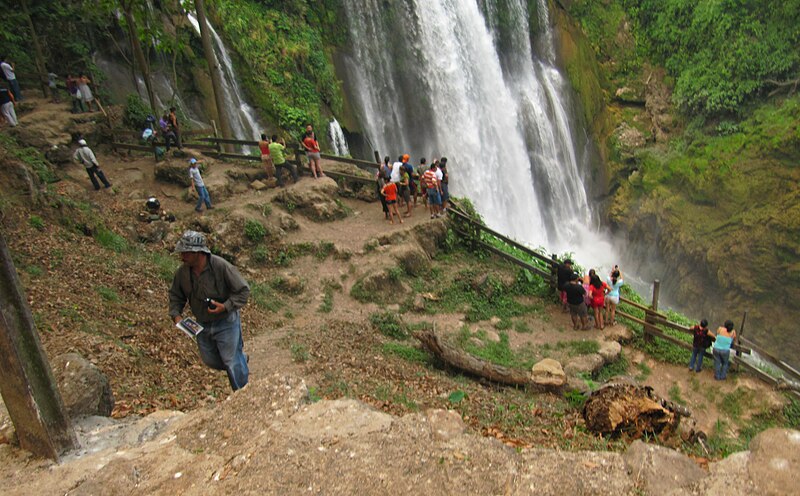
598, 289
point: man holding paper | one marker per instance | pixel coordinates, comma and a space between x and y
215, 292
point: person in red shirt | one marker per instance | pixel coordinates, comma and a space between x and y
390, 193
311, 145
597, 290
266, 158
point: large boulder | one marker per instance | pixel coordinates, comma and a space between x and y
85, 390
175, 172
548, 373
413, 260
775, 461
317, 199
661, 470
610, 351
587, 364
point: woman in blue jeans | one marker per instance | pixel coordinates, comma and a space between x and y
722, 350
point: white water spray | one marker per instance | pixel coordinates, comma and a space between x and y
338, 141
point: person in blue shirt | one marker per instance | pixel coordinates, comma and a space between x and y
726, 335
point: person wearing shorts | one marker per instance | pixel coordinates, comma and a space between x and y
434, 193
615, 282
575, 301
311, 145
389, 192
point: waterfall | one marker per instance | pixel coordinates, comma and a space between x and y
338, 141
244, 123
471, 87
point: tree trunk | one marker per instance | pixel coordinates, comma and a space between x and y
38, 55
138, 54
462, 360
213, 67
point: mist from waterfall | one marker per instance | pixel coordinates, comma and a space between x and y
474, 89
244, 123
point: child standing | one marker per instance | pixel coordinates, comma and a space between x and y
390, 193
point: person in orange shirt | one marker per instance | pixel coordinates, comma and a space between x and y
311, 145
266, 158
390, 193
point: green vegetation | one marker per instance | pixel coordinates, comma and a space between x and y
407, 353
110, 240
721, 54
107, 294
292, 77
36, 222
389, 325
299, 353
254, 230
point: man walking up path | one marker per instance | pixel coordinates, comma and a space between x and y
85, 156
215, 291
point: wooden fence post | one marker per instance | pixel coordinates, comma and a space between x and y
554, 273
377, 157
649, 316
28, 388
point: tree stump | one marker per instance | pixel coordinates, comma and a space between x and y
616, 409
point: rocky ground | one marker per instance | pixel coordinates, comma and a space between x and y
335, 404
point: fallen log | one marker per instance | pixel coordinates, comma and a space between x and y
616, 409
462, 360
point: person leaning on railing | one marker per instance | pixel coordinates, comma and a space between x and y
722, 350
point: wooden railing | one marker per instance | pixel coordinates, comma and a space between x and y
654, 322
125, 139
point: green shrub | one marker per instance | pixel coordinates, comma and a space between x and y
36, 222
136, 111
109, 239
407, 353
254, 230
107, 294
389, 325
261, 254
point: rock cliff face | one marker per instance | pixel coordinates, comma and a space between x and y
270, 439
709, 213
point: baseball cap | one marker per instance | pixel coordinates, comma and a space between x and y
192, 161
82, 142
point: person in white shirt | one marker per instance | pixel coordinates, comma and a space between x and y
199, 186
85, 156
10, 76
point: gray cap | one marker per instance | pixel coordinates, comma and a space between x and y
192, 241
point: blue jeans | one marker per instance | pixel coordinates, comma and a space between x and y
722, 359
287, 167
15, 89
202, 197
697, 355
221, 348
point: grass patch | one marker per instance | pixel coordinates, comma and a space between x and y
734, 403
108, 294
389, 325
263, 297
34, 270
299, 353
504, 325
407, 353
644, 371
327, 300
609, 370
110, 240
497, 352
674, 394
522, 327
36, 222
579, 347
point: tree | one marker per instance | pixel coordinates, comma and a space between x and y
214, 69
127, 7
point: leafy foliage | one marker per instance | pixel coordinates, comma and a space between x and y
291, 77
721, 53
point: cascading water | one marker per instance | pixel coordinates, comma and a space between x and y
466, 87
244, 123
338, 141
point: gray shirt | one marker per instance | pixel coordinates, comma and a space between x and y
194, 174
85, 156
219, 281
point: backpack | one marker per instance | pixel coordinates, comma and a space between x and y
708, 341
